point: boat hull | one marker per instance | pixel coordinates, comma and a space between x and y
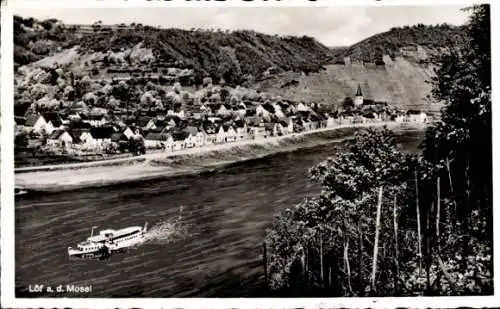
76, 253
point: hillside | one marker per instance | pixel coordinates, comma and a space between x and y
403, 40
234, 56
394, 66
402, 83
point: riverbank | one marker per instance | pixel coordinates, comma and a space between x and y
189, 161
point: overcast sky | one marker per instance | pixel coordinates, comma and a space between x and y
333, 26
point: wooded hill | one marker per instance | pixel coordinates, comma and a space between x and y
429, 38
235, 56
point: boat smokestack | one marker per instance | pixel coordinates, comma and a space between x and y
92, 231
145, 227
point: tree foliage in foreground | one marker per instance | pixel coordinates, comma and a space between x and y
388, 223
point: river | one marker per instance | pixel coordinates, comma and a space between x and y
205, 237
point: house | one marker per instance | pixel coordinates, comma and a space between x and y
195, 137
97, 120
282, 128
241, 130
220, 135
331, 122
118, 137
416, 116
278, 111
264, 111
97, 138
60, 138
159, 140
301, 107
145, 122
223, 110
130, 132
210, 130
179, 140
38, 124
230, 133
177, 112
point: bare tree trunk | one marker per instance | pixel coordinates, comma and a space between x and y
466, 208
428, 249
360, 261
396, 246
438, 212
265, 263
451, 214
306, 267
419, 229
322, 274
348, 267
375, 246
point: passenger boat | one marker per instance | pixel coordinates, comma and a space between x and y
108, 241
19, 191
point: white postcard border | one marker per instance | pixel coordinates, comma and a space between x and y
7, 174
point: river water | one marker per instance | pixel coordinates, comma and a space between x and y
205, 237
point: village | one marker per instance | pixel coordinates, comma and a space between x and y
83, 131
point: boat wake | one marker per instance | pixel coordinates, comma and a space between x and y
168, 231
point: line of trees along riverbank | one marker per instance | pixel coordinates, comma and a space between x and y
390, 223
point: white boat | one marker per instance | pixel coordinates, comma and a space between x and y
108, 241
19, 191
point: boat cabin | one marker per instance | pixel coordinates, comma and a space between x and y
89, 246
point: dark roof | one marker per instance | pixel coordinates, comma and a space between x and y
180, 136
117, 136
54, 118
77, 132
96, 117
31, 120
21, 107
191, 130
226, 127
253, 121
143, 121
79, 125
56, 134
413, 112
239, 123
20, 120
101, 133
268, 107
157, 136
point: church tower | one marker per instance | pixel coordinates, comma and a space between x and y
358, 99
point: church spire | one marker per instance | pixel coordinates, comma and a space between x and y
358, 92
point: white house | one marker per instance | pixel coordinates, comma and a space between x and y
301, 107
331, 122
128, 132
180, 113
231, 135
221, 135
260, 111
159, 140
97, 120
60, 138
98, 138
36, 123
416, 116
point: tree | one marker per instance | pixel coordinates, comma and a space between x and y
20, 141
348, 103
343, 214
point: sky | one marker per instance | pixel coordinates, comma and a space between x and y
332, 26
